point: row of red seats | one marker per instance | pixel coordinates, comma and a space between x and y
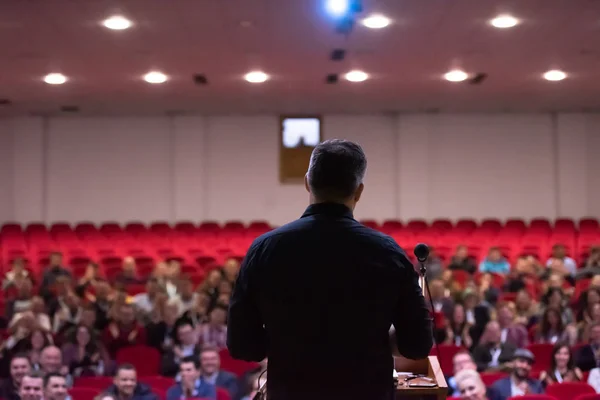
208, 242
559, 391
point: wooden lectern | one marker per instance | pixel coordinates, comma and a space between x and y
428, 366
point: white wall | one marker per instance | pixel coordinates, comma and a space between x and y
224, 168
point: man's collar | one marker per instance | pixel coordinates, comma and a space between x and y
330, 209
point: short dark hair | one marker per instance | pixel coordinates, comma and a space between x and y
124, 367
51, 375
21, 356
191, 359
337, 167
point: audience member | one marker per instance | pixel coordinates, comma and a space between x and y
185, 297
510, 331
210, 364
19, 367
126, 386
191, 384
588, 356
560, 261
16, 275
55, 387
519, 382
214, 332
562, 366
32, 386
123, 331
186, 345
461, 260
492, 354
52, 272
495, 262
83, 354
470, 386
460, 362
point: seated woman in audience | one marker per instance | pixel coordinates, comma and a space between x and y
495, 262
586, 303
461, 260
89, 280
555, 298
562, 366
470, 385
591, 266
16, 274
526, 310
230, 270
84, 355
585, 325
551, 328
559, 254
487, 291
457, 330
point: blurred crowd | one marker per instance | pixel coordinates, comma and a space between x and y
516, 328
57, 326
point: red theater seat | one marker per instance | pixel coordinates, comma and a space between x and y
145, 359
237, 367
569, 390
83, 393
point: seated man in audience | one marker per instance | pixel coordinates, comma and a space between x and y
55, 387
510, 331
144, 302
51, 362
124, 331
588, 356
495, 262
519, 382
16, 275
129, 274
186, 346
32, 386
67, 314
559, 253
461, 260
210, 362
191, 384
460, 362
51, 273
19, 367
491, 354
126, 386
214, 332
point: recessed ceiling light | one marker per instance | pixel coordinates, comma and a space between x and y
337, 7
504, 21
155, 77
55, 79
256, 77
555, 75
117, 23
456, 75
356, 76
376, 21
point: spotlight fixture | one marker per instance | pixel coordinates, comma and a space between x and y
55, 78
376, 21
456, 75
155, 77
337, 7
555, 75
356, 76
256, 77
504, 21
117, 23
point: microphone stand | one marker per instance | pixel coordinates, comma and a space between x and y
426, 293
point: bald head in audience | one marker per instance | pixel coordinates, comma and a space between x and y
50, 360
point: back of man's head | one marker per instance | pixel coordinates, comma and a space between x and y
337, 168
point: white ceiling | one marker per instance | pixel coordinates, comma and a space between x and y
291, 40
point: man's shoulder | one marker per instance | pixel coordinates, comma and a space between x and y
226, 376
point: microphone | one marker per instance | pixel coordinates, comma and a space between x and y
421, 252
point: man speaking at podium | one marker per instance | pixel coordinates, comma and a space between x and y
317, 296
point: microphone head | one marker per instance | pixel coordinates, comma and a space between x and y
421, 252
